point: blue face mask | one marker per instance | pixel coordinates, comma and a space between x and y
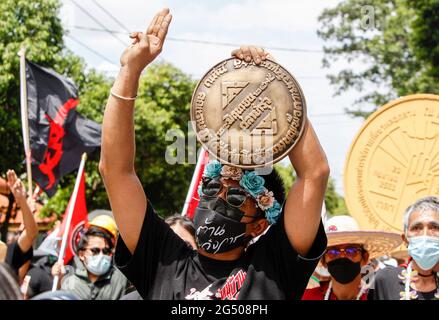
425, 251
99, 264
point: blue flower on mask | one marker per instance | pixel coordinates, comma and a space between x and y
252, 183
213, 169
272, 214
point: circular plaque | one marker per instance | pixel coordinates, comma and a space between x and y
248, 115
393, 161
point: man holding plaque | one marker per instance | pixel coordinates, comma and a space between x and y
235, 206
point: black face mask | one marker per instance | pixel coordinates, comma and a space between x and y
214, 232
344, 270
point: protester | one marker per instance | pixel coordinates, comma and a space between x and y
158, 262
9, 288
40, 274
420, 279
21, 251
184, 228
349, 249
96, 278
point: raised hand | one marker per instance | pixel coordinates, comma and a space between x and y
249, 53
16, 186
147, 46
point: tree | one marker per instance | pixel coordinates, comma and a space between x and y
35, 25
164, 101
394, 38
334, 203
163, 104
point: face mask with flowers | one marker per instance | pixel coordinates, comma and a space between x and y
252, 183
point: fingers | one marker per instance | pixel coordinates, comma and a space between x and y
135, 36
237, 53
255, 55
246, 53
263, 55
250, 53
164, 27
12, 178
156, 23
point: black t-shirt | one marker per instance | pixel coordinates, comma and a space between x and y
389, 285
41, 278
164, 268
16, 258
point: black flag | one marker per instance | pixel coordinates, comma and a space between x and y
58, 134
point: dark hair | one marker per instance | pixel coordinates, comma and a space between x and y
9, 288
274, 183
95, 232
184, 221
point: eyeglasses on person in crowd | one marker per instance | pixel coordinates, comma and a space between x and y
350, 252
95, 251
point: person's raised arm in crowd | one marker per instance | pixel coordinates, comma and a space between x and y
30, 232
305, 199
118, 140
303, 206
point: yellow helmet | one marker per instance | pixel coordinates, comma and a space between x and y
105, 222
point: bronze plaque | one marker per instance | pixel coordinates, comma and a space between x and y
393, 161
248, 115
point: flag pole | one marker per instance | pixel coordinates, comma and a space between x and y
71, 207
25, 119
194, 181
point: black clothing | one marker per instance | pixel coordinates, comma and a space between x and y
16, 258
388, 286
41, 277
163, 267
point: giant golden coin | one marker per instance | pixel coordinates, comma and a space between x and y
393, 161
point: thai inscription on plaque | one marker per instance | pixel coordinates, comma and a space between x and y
393, 161
248, 115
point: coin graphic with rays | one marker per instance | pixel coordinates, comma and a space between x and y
393, 161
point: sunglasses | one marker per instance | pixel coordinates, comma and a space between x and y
234, 196
350, 252
95, 251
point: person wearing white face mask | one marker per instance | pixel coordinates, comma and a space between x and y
420, 279
97, 279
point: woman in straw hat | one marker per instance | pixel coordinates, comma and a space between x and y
349, 249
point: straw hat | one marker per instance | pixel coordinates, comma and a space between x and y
344, 229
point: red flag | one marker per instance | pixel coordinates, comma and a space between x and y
193, 198
79, 218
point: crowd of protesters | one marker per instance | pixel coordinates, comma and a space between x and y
248, 240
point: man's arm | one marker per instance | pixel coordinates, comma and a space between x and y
304, 202
30, 232
125, 192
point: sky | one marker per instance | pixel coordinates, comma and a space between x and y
272, 24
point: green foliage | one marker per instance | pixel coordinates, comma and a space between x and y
163, 104
35, 25
398, 40
164, 100
334, 203
287, 174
